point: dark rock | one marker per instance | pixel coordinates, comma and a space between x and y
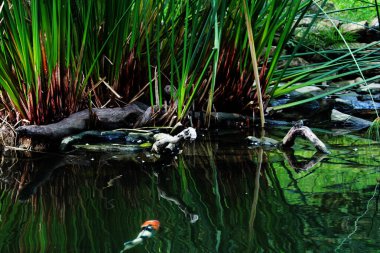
273, 122
349, 103
279, 101
341, 45
298, 62
264, 142
367, 97
327, 7
309, 110
345, 104
305, 22
326, 24
373, 32
340, 84
344, 120
314, 90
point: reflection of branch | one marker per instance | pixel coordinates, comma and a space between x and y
376, 210
302, 166
111, 181
357, 220
295, 180
192, 216
297, 188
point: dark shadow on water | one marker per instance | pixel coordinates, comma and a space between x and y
217, 196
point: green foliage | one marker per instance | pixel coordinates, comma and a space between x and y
326, 38
347, 64
46, 48
56, 54
334, 64
354, 10
374, 130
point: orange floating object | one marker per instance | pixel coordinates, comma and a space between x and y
155, 224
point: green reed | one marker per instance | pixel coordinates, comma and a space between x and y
55, 55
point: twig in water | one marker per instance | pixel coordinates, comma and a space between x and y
357, 220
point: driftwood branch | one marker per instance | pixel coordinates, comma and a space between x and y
193, 217
300, 130
167, 141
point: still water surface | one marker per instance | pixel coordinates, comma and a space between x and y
219, 195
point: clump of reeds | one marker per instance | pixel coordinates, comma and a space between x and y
56, 57
374, 130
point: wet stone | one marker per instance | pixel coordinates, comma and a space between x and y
340, 84
279, 101
368, 97
305, 22
341, 119
373, 87
262, 142
359, 27
355, 106
309, 89
344, 105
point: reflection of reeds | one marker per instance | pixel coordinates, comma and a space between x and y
255, 199
70, 207
97, 203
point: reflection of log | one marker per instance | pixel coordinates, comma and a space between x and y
104, 118
45, 174
300, 130
191, 216
302, 166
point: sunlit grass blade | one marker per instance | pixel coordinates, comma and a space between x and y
216, 49
374, 130
254, 64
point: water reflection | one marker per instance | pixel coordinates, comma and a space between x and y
217, 196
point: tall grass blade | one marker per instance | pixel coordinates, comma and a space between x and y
254, 63
216, 49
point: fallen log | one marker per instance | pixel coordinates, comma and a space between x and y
101, 118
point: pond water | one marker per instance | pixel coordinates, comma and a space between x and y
219, 195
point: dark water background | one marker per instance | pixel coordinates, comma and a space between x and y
219, 195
